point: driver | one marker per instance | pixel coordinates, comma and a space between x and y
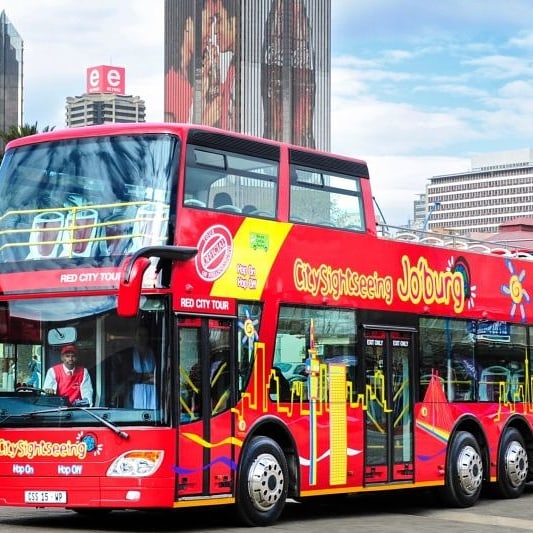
68, 379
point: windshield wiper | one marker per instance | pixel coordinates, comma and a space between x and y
110, 425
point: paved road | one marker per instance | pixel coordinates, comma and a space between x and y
393, 512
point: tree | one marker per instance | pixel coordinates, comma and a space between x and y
14, 132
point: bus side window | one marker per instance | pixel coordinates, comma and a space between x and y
516, 391
190, 378
279, 385
491, 381
220, 379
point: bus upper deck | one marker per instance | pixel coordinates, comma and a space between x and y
65, 201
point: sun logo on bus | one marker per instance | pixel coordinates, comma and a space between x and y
90, 442
247, 326
516, 291
461, 265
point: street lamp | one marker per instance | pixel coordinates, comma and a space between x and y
434, 206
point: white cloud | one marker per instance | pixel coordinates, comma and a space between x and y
523, 40
397, 181
500, 67
381, 128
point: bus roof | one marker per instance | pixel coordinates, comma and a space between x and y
150, 127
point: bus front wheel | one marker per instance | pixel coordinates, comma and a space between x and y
263, 482
464, 471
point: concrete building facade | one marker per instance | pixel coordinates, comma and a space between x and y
105, 100
497, 188
419, 211
90, 109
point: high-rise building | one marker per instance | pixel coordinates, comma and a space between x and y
261, 67
419, 212
497, 189
105, 100
11, 70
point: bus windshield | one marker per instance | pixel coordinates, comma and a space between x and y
116, 365
85, 200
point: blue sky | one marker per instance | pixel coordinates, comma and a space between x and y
418, 86
421, 86
459, 70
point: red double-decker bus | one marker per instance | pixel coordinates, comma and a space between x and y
241, 333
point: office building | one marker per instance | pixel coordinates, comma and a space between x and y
105, 100
419, 211
261, 67
11, 75
497, 189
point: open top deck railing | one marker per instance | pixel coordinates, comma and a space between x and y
519, 248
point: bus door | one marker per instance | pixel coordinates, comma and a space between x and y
388, 357
205, 451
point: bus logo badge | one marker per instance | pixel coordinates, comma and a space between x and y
215, 249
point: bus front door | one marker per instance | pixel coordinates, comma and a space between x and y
389, 405
205, 451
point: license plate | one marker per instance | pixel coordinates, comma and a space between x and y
45, 496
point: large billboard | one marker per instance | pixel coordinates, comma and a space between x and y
259, 67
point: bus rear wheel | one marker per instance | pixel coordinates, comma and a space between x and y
464, 471
512, 465
263, 482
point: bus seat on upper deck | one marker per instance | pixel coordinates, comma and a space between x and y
80, 233
116, 231
150, 225
46, 235
193, 202
223, 202
222, 199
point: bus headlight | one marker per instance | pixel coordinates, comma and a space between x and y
136, 463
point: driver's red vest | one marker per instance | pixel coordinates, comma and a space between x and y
69, 386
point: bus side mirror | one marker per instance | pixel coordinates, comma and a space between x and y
129, 291
60, 336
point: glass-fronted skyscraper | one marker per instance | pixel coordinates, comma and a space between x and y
261, 67
11, 68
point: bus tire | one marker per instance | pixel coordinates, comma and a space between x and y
263, 482
512, 465
464, 471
